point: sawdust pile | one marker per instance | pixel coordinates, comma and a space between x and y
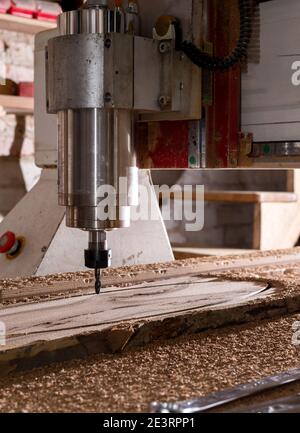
125, 271
285, 275
181, 369
35, 289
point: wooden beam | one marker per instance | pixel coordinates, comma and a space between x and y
239, 196
17, 104
24, 25
189, 251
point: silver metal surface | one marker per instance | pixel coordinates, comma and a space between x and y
96, 239
96, 150
221, 398
96, 3
133, 21
95, 139
195, 144
84, 21
76, 72
84, 156
126, 154
103, 72
118, 70
277, 149
162, 92
289, 404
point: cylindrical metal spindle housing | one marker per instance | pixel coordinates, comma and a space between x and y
95, 143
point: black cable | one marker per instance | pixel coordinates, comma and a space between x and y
70, 5
206, 61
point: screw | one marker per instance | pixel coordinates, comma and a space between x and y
107, 43
164, 100
164, 47
108, 98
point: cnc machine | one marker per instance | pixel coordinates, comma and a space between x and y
167, 84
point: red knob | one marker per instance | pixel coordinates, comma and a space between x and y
7, 241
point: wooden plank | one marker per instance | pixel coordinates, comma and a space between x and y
280, 225
250, 197
24, 25
54, 330
293, 181
173, 299
186, 252
17, 104
52, 320
257, 225
239, 197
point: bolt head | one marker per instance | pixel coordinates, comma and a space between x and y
107, 43
164, 47
164, 101
108, 98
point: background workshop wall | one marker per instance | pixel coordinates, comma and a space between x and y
17, 170
236, 222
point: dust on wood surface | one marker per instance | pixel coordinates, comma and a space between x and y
35, 289
53, 320
180, 369
176, 299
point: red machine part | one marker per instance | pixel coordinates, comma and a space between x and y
47, 11
171, 145
7, 242
4, 6
26, 89
23, 8
163, 144
224, 115
166, 144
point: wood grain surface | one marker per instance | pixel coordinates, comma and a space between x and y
62, 318
124, 317
27, 324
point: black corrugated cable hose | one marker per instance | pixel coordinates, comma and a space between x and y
206, 61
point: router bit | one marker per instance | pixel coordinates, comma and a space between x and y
97, 256
97, 281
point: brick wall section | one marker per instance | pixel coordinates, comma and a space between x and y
16, 132
17, 51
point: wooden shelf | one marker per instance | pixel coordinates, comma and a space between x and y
17, 104
240, 197
24, 25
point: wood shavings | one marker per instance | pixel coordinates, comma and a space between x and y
169, 371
